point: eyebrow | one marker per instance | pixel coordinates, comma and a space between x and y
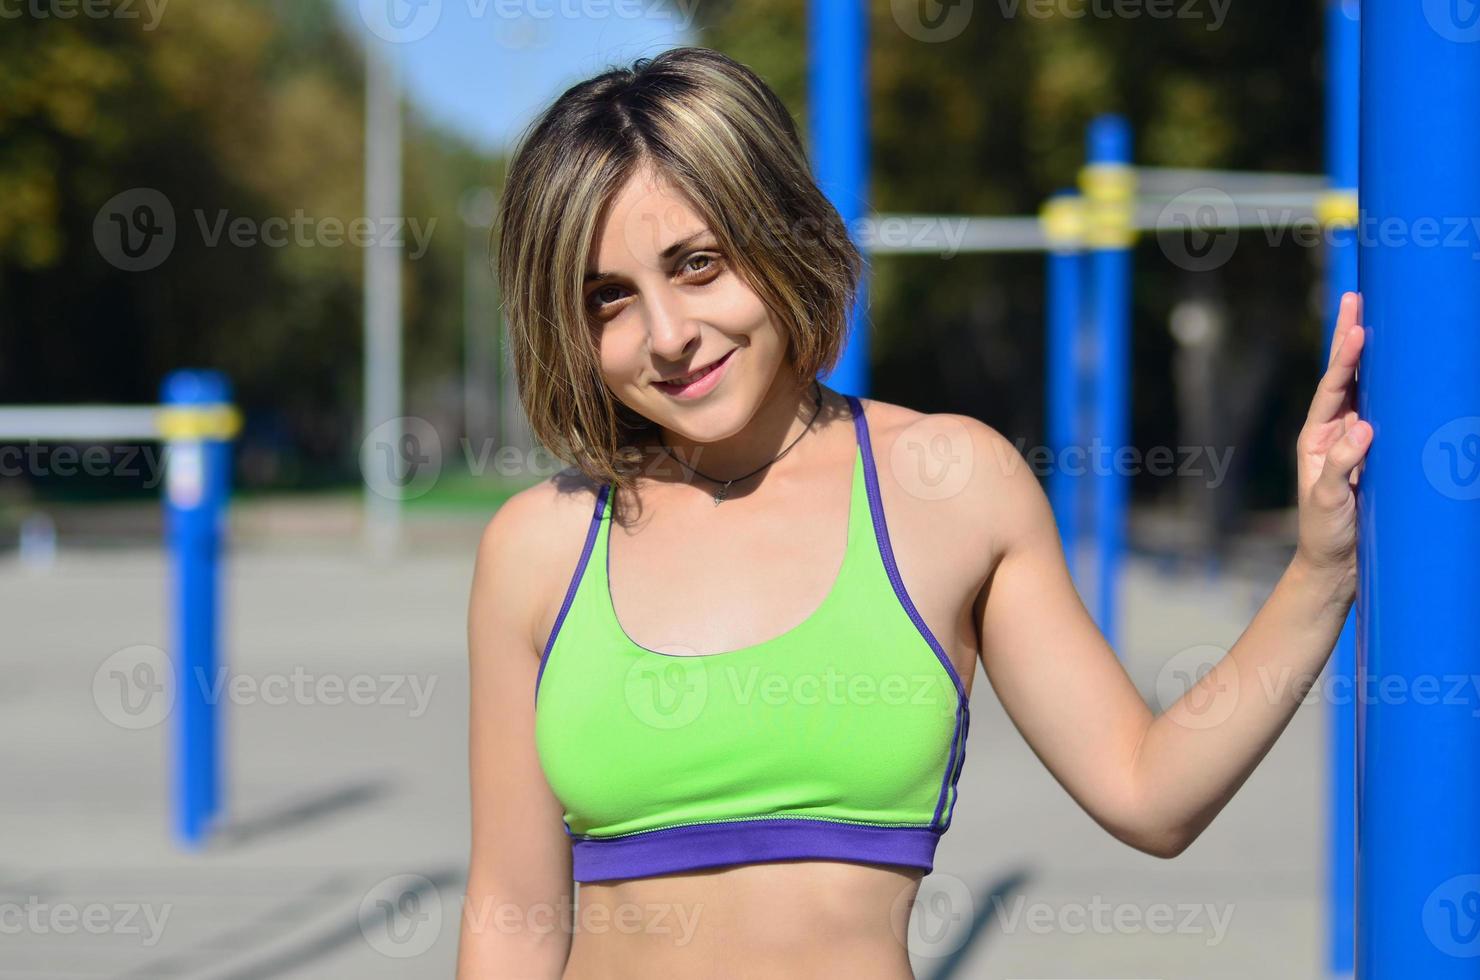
667, 253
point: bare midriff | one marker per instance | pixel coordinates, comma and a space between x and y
781, 919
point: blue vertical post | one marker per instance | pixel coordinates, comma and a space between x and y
197, 424
1063, 227
838, 113
1109, 186
1343, 40
1418, 506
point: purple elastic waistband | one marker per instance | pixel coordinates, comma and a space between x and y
710, 845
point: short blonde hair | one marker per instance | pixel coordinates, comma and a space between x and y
714, 130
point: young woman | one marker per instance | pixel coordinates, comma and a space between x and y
721, 665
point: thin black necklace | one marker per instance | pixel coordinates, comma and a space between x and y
719, 495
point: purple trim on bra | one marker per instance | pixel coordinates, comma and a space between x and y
886, 550
709, 845
575, 583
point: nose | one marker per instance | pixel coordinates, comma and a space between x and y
672, 334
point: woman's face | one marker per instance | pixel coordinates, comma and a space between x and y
666, 303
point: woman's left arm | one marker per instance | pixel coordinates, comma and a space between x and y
1156, 782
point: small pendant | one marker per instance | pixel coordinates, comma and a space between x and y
719, 495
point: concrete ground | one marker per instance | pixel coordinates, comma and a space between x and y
344, 849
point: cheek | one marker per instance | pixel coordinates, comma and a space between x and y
619, 347
738, 310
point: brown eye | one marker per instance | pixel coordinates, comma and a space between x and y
709, 263
603, 295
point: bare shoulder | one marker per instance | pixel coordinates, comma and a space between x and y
529, 549
540, 512
966, 472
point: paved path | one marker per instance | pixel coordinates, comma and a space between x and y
332, 805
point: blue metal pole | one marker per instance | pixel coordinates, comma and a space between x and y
1109, 185
838, 99
1418, 506
1063, 224
197, 424
1343, 42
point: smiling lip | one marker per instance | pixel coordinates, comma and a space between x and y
704, 383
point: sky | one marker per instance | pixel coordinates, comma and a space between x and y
484, 68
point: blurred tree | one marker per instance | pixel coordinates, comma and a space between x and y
242, 114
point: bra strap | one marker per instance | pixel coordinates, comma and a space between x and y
860, 431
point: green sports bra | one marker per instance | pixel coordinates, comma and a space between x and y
841, 739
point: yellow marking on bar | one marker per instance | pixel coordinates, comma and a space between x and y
1063, 221
199, 422
1110, 190
1337, 209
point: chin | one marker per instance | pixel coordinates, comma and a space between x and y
708, 424
718, 417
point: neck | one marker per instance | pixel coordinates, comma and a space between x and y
782, 417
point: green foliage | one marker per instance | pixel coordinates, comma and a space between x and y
232, 109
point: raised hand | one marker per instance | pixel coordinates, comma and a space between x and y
1332, 445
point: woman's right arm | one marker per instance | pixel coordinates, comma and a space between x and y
518, 907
